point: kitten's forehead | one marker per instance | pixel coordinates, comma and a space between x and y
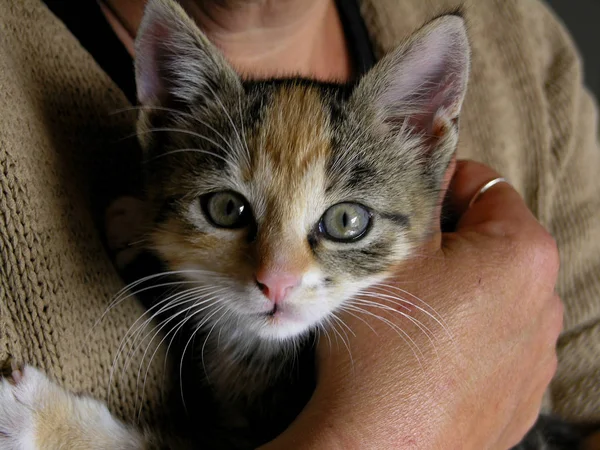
294, 132
291, 148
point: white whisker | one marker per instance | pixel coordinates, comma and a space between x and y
245, 144
377, 296
220, 103
343, 308
424, 329
206, 340
130, 286
142, 107
346, 344
187, 345
437, 317
174, 330
190, 298
193, 150
322, 329
171, 302
403, 334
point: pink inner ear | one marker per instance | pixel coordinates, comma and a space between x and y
151, 87
436, 108
426, 82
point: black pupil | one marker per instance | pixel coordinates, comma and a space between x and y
230, 207
345, 219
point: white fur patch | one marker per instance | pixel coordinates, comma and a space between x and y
36, 414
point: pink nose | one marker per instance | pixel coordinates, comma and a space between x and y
276, 285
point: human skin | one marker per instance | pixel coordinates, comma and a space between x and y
502, 314
260, 38
479, 383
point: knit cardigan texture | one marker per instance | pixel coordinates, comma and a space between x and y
62, 142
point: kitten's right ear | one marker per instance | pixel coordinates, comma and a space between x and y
423, 79
419, 89
175, 62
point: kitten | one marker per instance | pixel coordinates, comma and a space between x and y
279, 200
287, 197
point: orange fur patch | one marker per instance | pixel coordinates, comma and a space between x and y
289, 153
293, 143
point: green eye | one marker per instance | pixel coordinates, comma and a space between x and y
345, 222
226, 209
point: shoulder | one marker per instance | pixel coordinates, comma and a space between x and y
493, 22
520, 45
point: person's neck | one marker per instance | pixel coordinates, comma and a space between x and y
260, 38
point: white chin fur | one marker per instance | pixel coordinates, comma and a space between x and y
298, 315
282, 330
293, 320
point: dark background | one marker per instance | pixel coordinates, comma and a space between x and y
582, 18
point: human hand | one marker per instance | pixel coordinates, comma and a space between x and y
491, 285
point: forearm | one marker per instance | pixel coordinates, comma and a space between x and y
345, 413
318, 427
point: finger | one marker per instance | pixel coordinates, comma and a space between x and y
500, 206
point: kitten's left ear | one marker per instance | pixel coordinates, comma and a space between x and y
420, 87
175, 62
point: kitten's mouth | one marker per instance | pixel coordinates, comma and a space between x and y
281, 322
273, 311
279, 313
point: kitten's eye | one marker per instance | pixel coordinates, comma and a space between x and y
345, 222
226, 209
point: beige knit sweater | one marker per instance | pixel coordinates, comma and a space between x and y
526, 114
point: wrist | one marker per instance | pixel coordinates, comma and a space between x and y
315, 428
335, 421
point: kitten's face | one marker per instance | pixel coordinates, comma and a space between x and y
321, 199
282, 200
